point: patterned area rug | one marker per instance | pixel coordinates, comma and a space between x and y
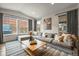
48, 52
14, 49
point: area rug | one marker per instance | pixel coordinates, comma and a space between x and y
14, 49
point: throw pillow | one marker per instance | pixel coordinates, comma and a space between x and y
61, 38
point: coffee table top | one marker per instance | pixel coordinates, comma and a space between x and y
26, 44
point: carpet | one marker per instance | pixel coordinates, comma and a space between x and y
14, 49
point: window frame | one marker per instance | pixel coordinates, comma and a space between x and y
17, 24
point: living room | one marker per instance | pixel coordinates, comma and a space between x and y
41, 29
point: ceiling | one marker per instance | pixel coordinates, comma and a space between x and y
36, 10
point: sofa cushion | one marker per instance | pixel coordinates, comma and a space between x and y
63, 40
56, 38
48, 35
47, 39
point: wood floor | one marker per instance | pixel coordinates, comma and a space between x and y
2, 50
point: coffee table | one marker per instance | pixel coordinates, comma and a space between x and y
35, 49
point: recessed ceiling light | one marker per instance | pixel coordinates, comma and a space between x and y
52, 3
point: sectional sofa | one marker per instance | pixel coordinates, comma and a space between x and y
65, 42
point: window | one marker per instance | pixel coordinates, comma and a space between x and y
63, 23
38, 26
23, 26
14, 25
9, 25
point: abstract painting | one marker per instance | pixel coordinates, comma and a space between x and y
48, 23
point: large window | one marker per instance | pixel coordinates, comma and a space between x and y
14, 24
63, 23
23, 26
9, 25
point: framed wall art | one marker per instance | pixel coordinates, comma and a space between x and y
47, 23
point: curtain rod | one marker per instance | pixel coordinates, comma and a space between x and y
61, 13
66, 11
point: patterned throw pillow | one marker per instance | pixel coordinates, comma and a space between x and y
68, 40
61, 38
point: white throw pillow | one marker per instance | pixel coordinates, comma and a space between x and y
56, 37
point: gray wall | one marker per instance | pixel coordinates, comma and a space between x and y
75, 6
54, 24
55, 19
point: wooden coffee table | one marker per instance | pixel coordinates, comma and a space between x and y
33, 50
